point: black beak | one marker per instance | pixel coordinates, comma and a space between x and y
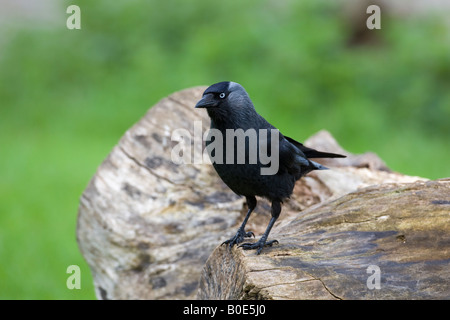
207, 101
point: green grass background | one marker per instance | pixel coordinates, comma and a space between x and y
67, 96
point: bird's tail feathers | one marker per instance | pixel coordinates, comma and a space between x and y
319, 154
313, 153
317, 166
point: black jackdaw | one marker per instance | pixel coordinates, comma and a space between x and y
272, 162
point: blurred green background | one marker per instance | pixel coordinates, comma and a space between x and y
67, 96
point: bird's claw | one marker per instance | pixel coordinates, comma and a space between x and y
238, 237
258, 245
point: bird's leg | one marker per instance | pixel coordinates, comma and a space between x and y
241, 234
276, 209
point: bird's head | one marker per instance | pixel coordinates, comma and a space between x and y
225, 99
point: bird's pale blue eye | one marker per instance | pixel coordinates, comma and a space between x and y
222, 95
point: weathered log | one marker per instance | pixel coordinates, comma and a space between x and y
389, 241
146, 225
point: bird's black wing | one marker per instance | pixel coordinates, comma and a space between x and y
313, 153
292, 159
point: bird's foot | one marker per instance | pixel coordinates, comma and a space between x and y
238, 237
258, 245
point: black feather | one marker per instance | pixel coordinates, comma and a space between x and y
313, 153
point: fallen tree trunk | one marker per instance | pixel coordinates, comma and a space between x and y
146, 225
389, 241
